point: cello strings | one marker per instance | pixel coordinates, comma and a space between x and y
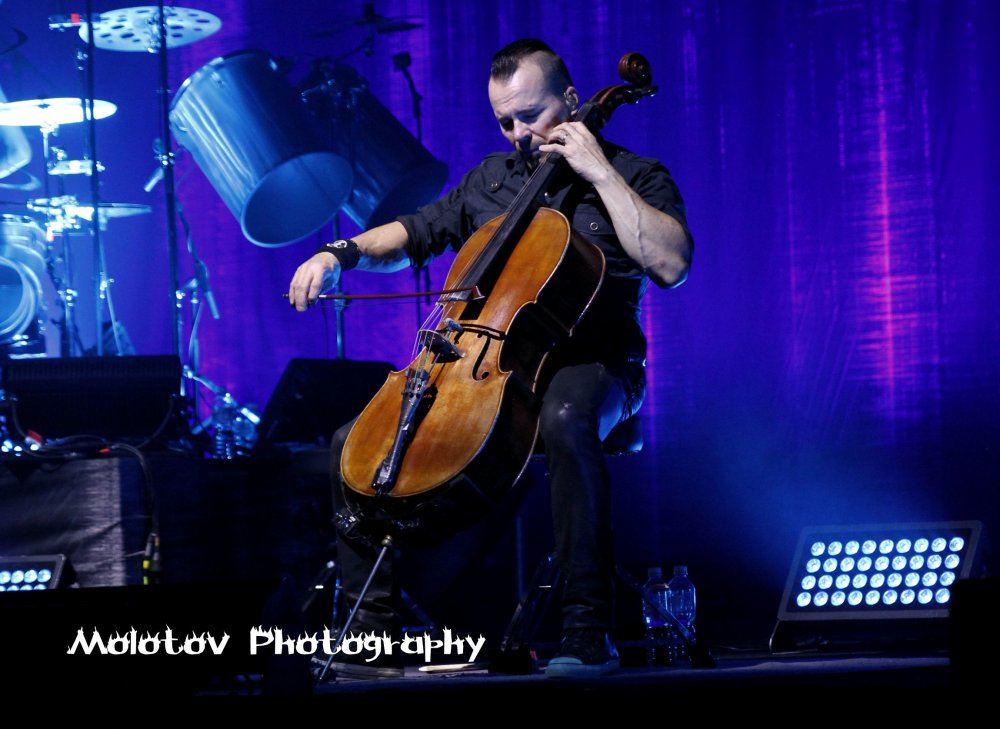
431, 321
492, 243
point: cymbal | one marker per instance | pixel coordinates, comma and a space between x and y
50, 112
372, 21
138, 29
68, 206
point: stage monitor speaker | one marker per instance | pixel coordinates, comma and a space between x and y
107, 397
314, 397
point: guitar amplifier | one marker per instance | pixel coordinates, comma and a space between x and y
107, 397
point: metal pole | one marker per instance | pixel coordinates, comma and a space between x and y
95, 187
167, 160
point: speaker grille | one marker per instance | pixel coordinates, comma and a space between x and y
109, 397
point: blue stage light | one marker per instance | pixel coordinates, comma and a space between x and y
845, 576
37, 572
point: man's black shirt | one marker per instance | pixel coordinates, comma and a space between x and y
610, 330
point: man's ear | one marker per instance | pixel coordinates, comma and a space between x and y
571, 98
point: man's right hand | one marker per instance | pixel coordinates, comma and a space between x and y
318, 274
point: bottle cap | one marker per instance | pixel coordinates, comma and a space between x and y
655, 573
681, 571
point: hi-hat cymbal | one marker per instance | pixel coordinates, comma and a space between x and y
138, 29
69, 203
50, 112
65, 212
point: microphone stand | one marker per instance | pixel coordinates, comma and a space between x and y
401, 62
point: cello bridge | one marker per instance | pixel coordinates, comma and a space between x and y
440, 345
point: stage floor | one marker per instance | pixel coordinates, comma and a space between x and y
913, 685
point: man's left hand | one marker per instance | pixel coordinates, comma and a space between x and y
581, 150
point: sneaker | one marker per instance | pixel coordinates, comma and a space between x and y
345, 666
584, 652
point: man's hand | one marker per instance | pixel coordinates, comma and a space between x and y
650, 237
581, 150
312, 278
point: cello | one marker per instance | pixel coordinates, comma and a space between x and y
444, 439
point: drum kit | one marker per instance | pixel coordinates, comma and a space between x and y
284, 158
27, 240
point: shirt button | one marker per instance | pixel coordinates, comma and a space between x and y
594, 226
494, 186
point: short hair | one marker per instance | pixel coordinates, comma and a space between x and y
508, 59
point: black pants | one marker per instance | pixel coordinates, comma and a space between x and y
582, 404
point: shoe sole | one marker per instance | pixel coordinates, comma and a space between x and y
351, 670
561, 668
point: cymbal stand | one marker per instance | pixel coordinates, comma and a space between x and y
85, 63
198, 290
167, 161
69, 335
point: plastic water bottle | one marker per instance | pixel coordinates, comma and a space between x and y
681, 602
224, 413
659, 632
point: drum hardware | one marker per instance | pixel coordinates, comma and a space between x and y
73, 166
156, 29
62, 214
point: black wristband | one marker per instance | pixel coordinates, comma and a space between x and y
346, 252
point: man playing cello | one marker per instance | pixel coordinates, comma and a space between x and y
631, 209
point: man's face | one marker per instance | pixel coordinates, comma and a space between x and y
527, 108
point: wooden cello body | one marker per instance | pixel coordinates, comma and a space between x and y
443, 440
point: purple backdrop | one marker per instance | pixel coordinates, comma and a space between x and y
833, 356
